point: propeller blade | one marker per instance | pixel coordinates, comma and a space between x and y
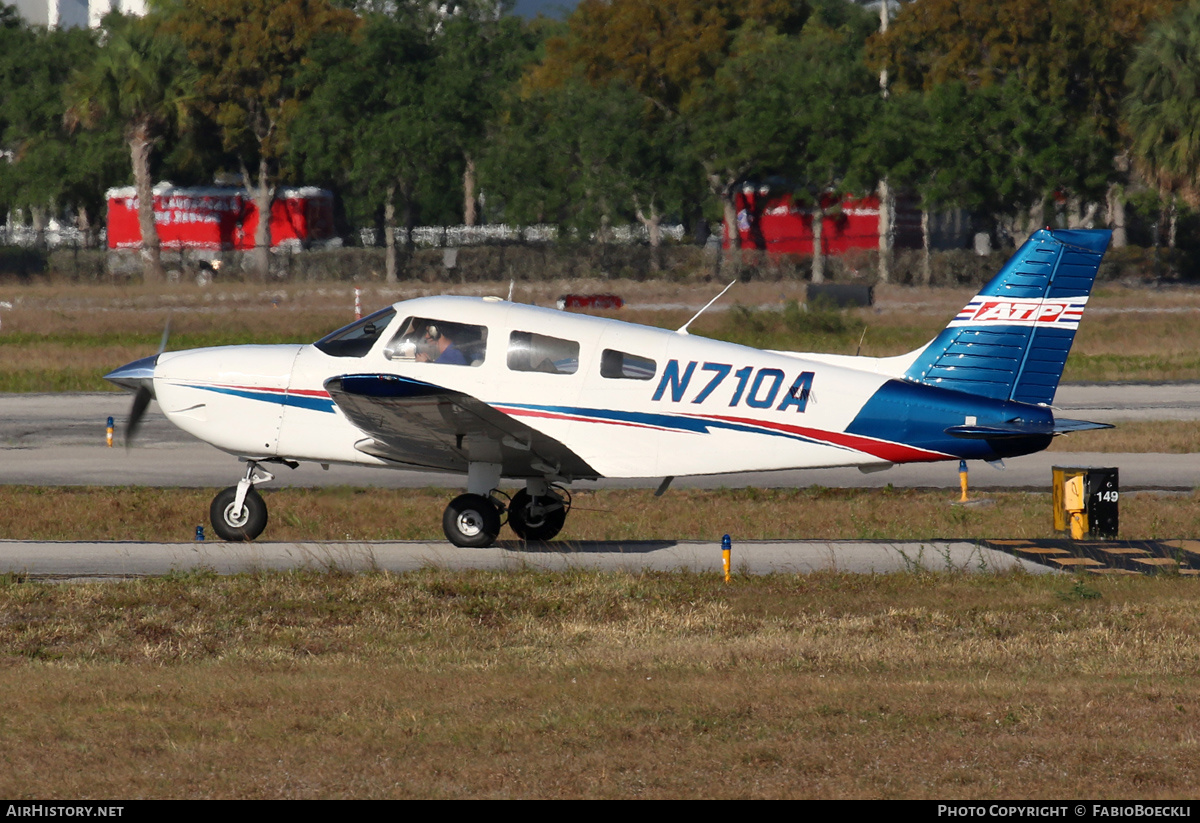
162, 347
140, 401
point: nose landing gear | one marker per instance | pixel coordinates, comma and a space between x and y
238, 513
234, 522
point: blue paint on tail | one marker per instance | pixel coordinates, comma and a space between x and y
1011, 341
925, 418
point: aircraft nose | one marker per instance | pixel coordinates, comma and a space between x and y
136, 375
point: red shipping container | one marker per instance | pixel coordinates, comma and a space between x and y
220, 219
776, 224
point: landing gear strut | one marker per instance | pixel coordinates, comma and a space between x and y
238, 513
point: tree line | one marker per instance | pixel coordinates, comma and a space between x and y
1021, 112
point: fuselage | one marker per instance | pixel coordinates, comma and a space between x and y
629, 400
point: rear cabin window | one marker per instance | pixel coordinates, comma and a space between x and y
621, 365
528, 351
430, 340
357, 339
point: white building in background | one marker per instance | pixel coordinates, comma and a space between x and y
73, 14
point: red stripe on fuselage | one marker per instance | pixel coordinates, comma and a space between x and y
266, 389
883, 449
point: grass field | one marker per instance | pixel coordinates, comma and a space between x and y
814, 513
528, 685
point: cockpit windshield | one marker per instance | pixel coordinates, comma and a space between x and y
359, 337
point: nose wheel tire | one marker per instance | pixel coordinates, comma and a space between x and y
471, 521
238, 526
539, 518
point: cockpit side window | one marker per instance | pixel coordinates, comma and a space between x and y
624, 366
528, 351
429, 340
359, 337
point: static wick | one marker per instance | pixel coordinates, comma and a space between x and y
726, 551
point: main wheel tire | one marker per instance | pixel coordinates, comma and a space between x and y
246, 524
471, 521
541, 524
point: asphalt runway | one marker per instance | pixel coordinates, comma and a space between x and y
58, 440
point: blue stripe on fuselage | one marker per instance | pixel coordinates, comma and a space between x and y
684, 423
299, 401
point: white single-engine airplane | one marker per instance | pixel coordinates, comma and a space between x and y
497, 389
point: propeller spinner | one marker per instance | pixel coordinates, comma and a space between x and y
138, 377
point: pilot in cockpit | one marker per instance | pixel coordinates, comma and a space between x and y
438, 346
436, 341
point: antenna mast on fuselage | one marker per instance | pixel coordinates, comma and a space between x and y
683, 329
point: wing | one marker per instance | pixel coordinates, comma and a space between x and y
420, 424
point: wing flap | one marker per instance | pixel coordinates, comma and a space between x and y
424, 425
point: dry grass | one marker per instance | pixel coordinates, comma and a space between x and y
74, 513
521, 684
64, 337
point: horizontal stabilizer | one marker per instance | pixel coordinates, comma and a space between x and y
1021, 428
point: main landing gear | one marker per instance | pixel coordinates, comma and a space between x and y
538, 517
473, 520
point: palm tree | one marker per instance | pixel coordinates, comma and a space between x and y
140, 78
1162, 108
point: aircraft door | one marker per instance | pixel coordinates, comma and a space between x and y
618, 387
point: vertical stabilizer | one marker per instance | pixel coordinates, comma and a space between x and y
1011, 341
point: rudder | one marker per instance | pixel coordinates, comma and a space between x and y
1011, 341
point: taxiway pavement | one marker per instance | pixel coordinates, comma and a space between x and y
118, 560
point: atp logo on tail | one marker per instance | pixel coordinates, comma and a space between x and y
1062, 313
